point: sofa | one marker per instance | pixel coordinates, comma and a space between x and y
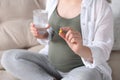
15, 19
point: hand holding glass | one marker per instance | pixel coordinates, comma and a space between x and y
40, 20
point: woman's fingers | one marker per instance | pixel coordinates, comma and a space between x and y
74, 40
70, 35
62, 35
73, 37
47, 26
33, 27
63, 31
34, 30
66, 29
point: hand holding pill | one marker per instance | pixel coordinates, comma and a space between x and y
72, 37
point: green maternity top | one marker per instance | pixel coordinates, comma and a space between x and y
60, 55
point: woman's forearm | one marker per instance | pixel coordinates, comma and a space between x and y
85, 53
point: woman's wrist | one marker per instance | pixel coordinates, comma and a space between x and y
85, 53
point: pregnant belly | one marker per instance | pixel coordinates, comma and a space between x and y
62, 57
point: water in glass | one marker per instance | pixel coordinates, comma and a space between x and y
40, 19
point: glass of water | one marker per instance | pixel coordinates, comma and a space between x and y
40, 20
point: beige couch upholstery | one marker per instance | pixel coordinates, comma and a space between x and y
15, 18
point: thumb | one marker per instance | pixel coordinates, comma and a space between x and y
62, 35
47, 26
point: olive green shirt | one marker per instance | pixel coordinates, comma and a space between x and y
60, 54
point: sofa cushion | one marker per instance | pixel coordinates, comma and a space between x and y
36, 48
14, 23
15, 18
1, 52
12, 9
115, 64
116, 13
16, 34
4, 75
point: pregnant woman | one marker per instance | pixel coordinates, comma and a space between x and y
78, 40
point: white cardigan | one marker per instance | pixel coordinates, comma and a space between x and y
97, 32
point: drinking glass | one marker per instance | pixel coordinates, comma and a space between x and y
40, 20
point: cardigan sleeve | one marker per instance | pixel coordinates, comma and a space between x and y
103, 40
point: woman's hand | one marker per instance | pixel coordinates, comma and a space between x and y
73, 38
36, 33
